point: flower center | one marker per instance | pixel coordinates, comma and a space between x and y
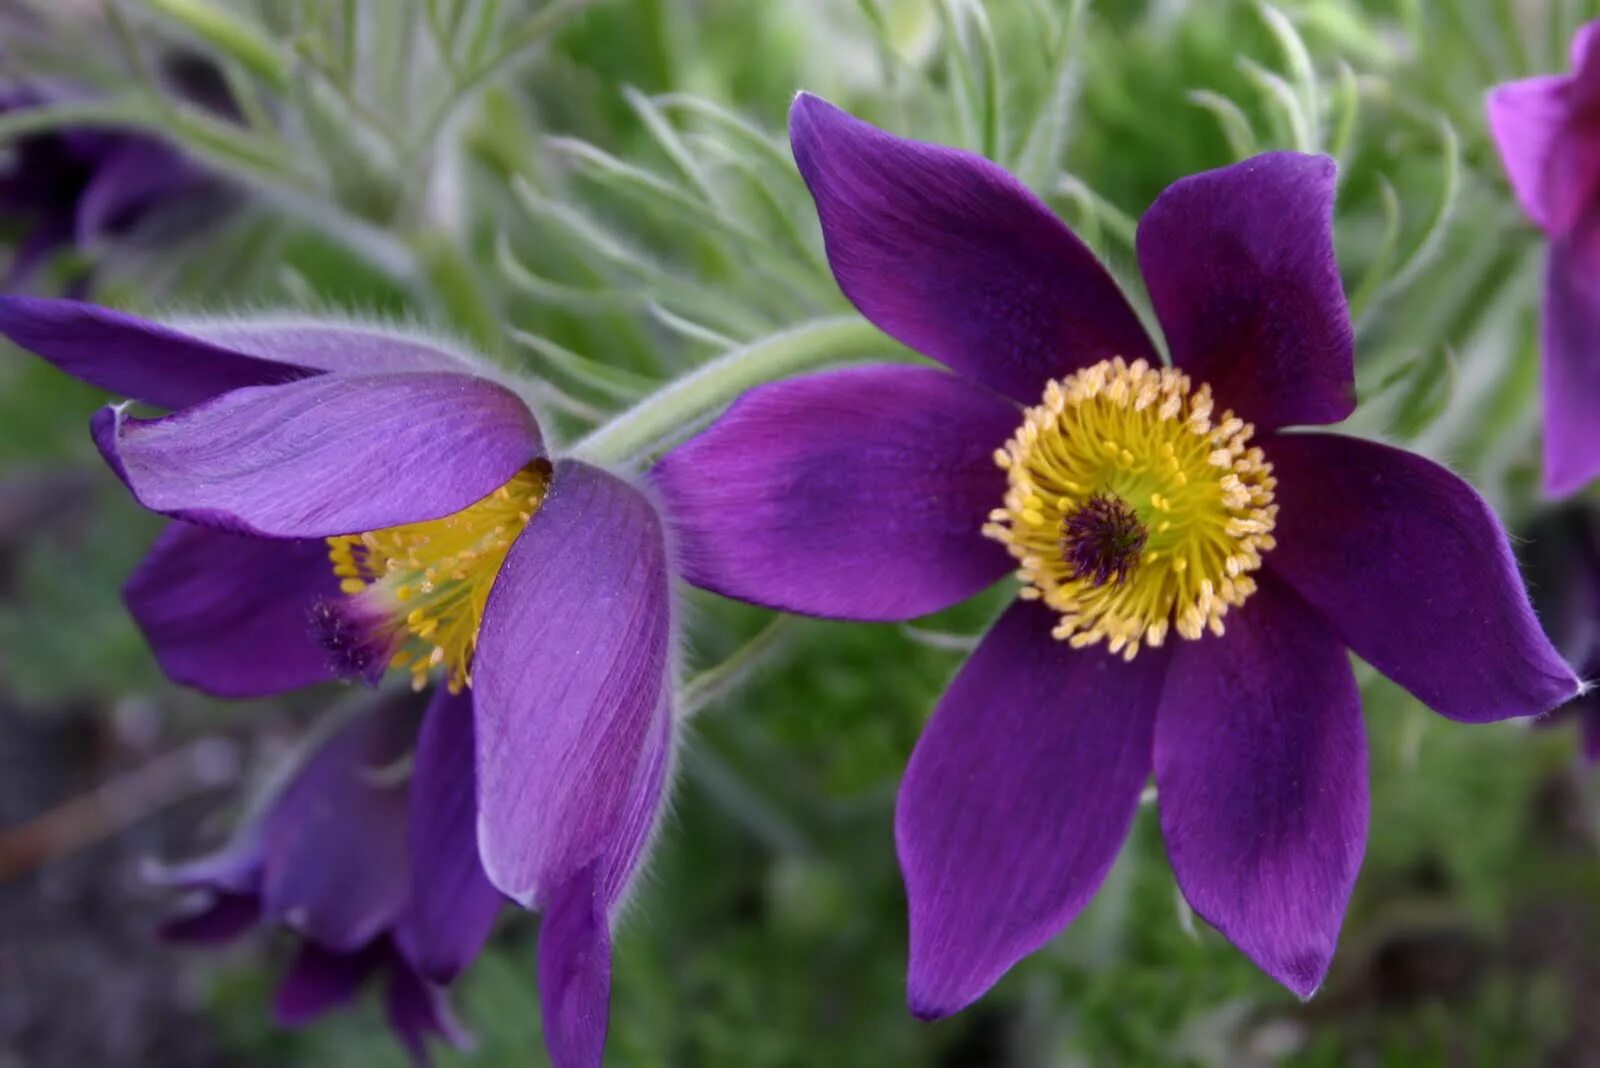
1131, 510
1102, 540
415, 594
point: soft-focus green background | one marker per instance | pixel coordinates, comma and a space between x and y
600, 194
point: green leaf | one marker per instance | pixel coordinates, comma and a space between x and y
614, 382
1382, 258
662, 132
458, 290
1302, 75
1046, 141
1433, 382
1284, 104
1231, 117
1438, 224
671, 412
231, 35
1346, 110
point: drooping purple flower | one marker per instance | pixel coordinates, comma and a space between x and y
78, 187
1192, 574
349, 500
367, 854
1561, 557
1548, 132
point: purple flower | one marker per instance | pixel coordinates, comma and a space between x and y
1562, 561
1191, 574
1548, 132
74, 188
367, 854
352, 499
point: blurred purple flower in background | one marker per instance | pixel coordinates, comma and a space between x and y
1561, 557
350, 499
77, 188
366, 853
1132, 505
1547, 129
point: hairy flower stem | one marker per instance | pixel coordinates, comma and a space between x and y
715, 683
666, 416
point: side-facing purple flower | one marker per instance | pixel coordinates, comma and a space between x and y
1561, 557
366, 852
348, 500
1548, 132
78, 187
1191, 574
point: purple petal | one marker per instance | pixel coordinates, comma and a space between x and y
642, 811
343, 348
575, 937
336, 855
1016, 801
948, 253
337, 454
575, 973
177, 366
137, 174
220, 918
1415, 574
453, 904
1261, 765
1582, 50
131, 357
856, 494
570, 671
33, 251
234, 869
1571, 342
419, 1011
1572, 168
1241, 270
230, 614
317, 981
1525, 118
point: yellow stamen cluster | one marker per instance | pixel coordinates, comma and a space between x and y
427, 583
1141, 435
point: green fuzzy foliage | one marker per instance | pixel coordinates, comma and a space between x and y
599, 195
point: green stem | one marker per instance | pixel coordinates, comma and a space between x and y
659, 418
716, 682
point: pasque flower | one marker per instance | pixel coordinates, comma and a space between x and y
351, 499
1548, 132
77, 187
1191, 571
366, 852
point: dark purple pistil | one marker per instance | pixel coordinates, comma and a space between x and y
1103, 539
357, 647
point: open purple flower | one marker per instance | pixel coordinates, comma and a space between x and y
349, 500
1561, 557
367, 853
1548, 131
75, 188
1192, 574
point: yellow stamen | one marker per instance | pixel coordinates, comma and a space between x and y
429, 582
1119, 435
